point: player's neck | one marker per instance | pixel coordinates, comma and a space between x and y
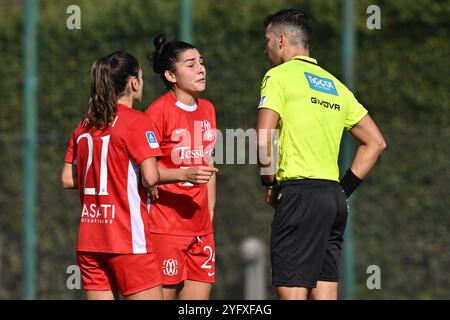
184, 97
294, 52
127, 101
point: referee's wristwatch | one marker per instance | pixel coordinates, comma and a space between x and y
268, 184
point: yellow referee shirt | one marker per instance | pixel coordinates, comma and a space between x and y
314, 108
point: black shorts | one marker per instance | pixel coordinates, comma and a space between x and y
307, 233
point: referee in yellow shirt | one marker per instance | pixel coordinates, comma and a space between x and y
310, 108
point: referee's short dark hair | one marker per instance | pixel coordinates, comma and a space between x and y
297, 21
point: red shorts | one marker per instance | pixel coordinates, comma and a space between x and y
185, 257
130, 273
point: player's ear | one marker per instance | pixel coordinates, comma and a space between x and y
282, 40
170, 76
134, 83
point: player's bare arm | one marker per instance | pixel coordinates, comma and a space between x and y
372, 145
267, 120
196, 175
69, 176
150, 174
211, 185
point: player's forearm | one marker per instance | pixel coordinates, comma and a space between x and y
371, 146
264, 144
173, 175
365, 159
150, 173
211, 185
265, 161
69, 176
69, 184
266, 123
264, 152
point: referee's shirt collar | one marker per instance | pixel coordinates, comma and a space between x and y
305, 59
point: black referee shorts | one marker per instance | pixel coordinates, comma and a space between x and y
307, 233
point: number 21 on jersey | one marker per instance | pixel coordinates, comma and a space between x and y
103, 190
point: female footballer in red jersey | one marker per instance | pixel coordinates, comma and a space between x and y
103, 159
181, 215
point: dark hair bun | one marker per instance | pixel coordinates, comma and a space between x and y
159, 41
113, 62
165, 55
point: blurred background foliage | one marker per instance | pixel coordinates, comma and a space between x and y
401, 214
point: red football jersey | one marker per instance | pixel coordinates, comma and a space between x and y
114, 211
187, 138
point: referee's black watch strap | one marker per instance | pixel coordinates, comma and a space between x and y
350, 182
268, 184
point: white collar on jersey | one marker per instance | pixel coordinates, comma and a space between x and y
185, 107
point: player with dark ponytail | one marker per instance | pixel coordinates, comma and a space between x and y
103, 159
109, 76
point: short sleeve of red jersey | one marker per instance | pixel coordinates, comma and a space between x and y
158, 119
71, 150
141, 140
156, 116
212, 119
213, 116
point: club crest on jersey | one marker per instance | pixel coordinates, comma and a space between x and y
321, 84
208, 134
170, 267
151, 138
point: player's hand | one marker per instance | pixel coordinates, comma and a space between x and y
152, 193
199, 174
269, 196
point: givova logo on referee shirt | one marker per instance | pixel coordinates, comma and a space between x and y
321, 84
170, 267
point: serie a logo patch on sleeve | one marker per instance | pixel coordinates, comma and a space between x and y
151, 138
321, 84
